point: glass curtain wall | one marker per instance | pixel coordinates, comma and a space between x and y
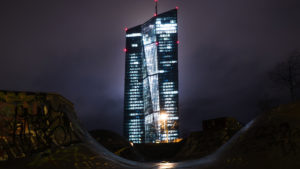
151, 80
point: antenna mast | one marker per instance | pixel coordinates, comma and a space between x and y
156, 4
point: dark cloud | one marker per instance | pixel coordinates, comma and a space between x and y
75, 48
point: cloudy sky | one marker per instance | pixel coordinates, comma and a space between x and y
75, 48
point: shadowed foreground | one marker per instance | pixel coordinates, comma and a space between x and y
272, 140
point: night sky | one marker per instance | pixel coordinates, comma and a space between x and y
75, 48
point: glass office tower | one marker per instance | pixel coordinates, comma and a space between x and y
151, 80
134, 125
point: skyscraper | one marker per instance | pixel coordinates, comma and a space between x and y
151, 80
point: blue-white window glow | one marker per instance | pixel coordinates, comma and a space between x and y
152, 80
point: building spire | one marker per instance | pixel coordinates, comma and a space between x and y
156, 4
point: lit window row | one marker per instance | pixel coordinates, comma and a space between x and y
134, 65
131, 126
168, 83
170, 135
132, 60
133, 96
135, 108
135, 68
135, 105
173, 131
168, 48
171, 61
165, 50
134, 75
134, 139
133, 71
168, 26
169, 102
136, 87
167, 89
132, 93
132, 99
134, 114
169, 96
135, 120
137, 123
169, 18
133, 82
168, 86
171, 113
164, 35
173, 118
134, 55
169, 105
137, 136
166, 31
134, 35
136, 83
134, 90
133, 78
171, 108
136, 130
167, 42
135, 102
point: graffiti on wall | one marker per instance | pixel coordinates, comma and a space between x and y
32, 122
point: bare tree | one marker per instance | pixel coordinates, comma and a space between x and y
287, 74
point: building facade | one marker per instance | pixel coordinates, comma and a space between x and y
151, 80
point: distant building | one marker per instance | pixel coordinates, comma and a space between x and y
151, 80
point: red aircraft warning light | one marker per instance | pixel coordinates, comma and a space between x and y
177, 42
126, 29
156, 43
177, 7
125, 50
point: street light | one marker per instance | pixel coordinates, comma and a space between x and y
163, 117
